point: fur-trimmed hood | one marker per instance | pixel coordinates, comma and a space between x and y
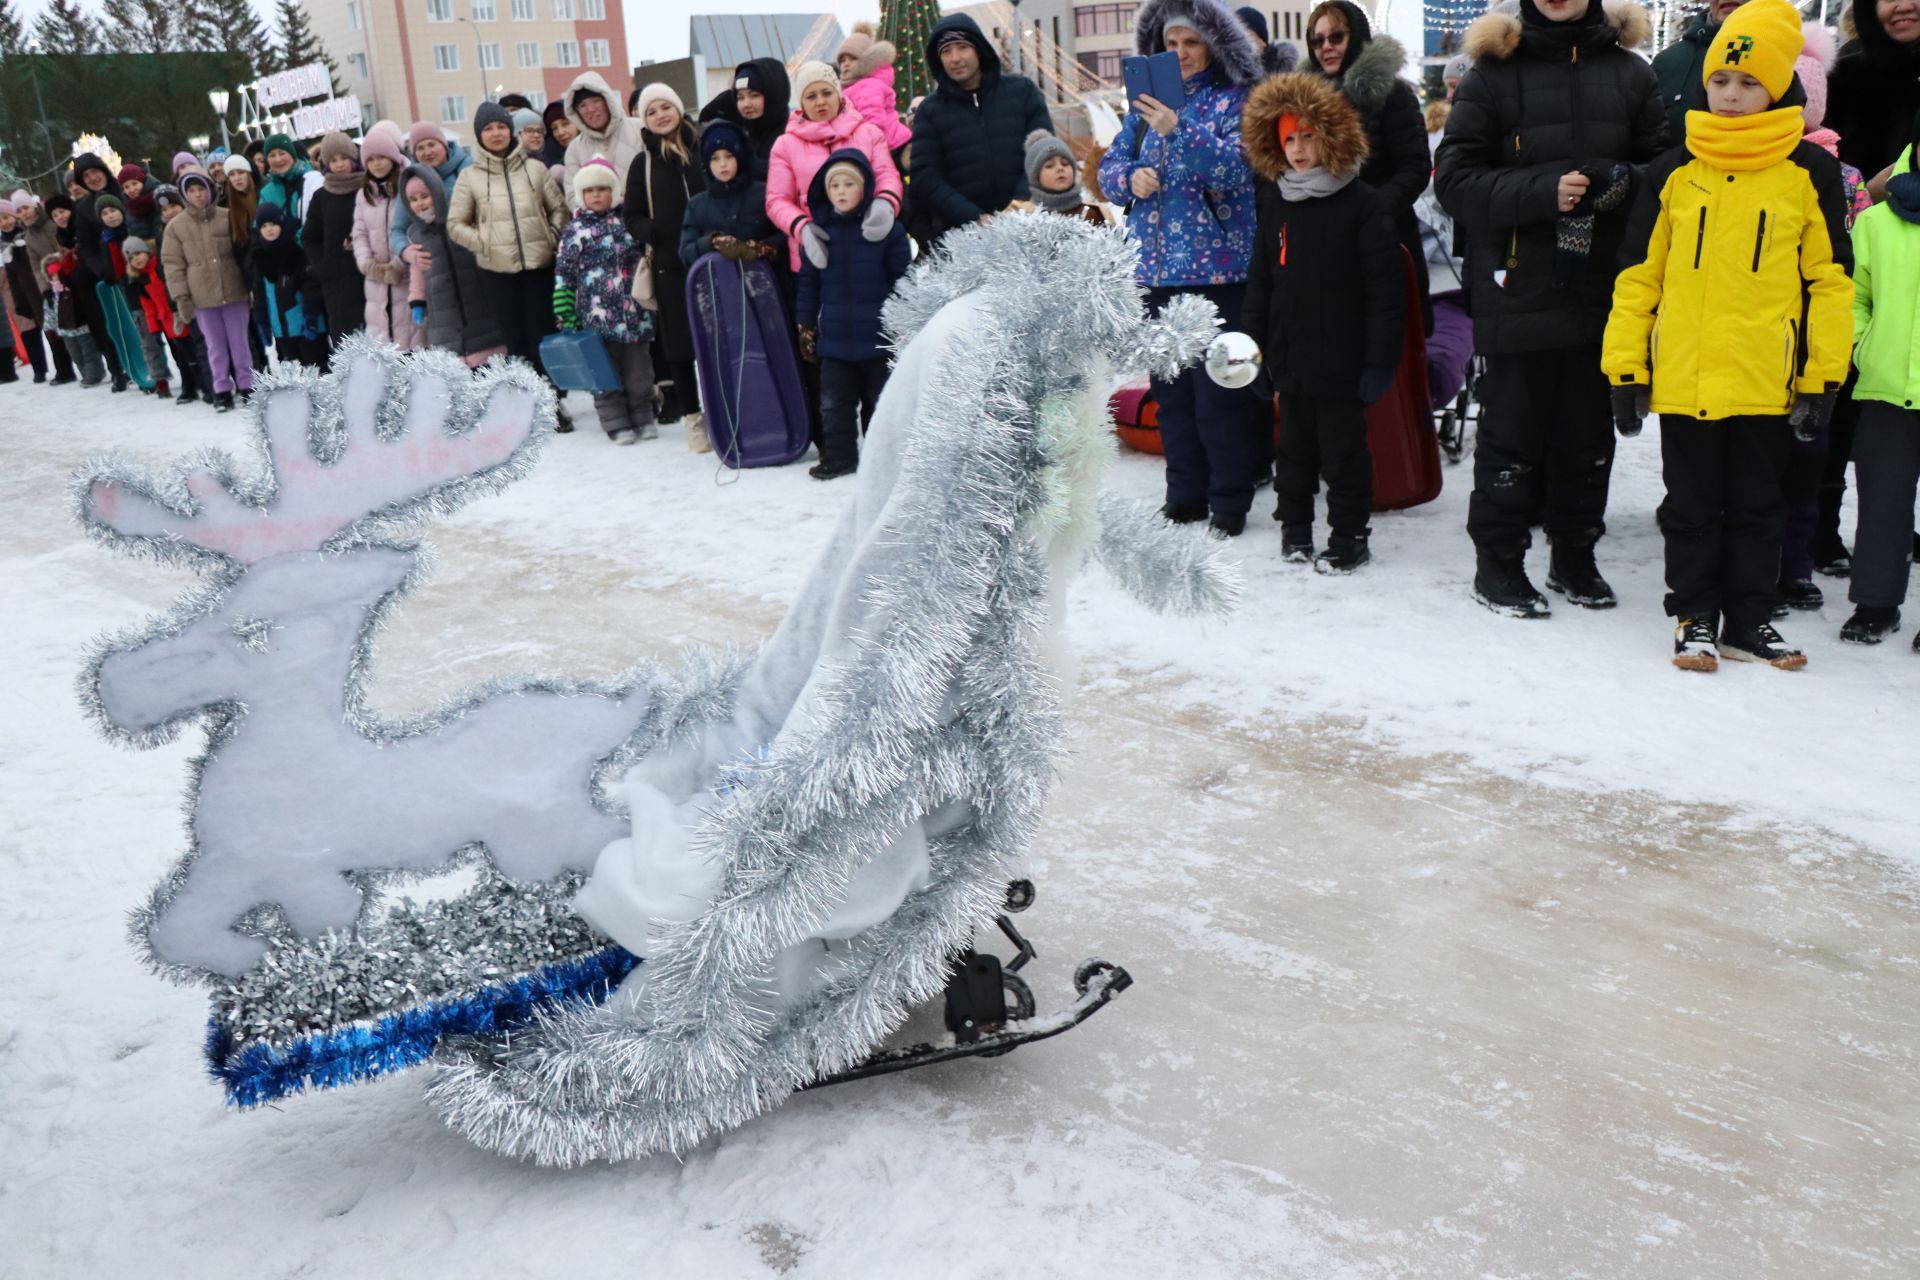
1371, 74
1313, 97
1496, 35
880, 53
1233, 51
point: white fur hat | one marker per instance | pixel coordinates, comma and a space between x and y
237, 163
597, 172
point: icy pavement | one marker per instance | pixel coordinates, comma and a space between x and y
1464, 947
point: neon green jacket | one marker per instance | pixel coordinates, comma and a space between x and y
1886, 304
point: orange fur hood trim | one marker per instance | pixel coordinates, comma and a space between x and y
1316, 99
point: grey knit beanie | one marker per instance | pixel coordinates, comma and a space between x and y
1041, 147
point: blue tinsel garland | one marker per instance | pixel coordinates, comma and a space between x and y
258, 1072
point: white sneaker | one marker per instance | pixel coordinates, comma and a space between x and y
697, 433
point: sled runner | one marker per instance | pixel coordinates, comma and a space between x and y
756, 412
990, 1009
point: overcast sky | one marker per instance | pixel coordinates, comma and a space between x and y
662, 35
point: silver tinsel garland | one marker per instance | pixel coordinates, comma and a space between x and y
949, 705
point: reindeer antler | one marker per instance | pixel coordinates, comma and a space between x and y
341, 452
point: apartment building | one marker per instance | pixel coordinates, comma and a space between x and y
439, 59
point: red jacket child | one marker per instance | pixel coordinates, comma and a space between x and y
145, 285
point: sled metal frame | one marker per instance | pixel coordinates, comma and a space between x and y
1450, 423
990, 1009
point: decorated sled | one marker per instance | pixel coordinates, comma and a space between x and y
695, 890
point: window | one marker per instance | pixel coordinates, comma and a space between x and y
439, 10
490, 57
599, 53
446, 57
566, 53
358, 61
1105, 64
1103, 19
523, 10
482, 10
527, 53
353, 15
453, 108
563, 10
593, 10
539, 99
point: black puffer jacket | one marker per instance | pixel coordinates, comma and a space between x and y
327, 237
1873, 93
654, 223
969, 149
769, 75
96, 263
1541, 100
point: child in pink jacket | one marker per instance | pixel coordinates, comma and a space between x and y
824, 123
389, 314
866, 78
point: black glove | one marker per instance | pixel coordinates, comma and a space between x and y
1811, 413
1374, 384
1630, 408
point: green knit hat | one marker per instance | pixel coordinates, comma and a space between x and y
280, 142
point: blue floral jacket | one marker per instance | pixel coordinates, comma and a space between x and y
1198, 228
596, 260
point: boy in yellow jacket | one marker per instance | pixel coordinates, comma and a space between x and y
1735, 327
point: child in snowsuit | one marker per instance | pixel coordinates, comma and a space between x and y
447, 299
1886, 447
1053, 181
284, 289
149, 292
1732, 235
730, 216
1326, 302
69, 322
844, 281
593, 290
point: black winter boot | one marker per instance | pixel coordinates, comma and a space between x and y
1693, 642
1343, 555
562, 424
1574, 575
1830, 555
1870, 624
223, 401
1296, 544
1184, 513
1500, 582
1760, 643
1800, 593
1230, 525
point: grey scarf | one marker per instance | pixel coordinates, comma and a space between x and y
1058, 201
1313, 184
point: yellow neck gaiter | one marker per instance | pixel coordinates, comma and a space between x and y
1741, 144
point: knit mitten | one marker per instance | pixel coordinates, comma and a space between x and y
1607, 189
419, 312
563, 309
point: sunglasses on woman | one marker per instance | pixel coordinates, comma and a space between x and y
1333, 38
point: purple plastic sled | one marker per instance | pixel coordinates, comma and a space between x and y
749, 379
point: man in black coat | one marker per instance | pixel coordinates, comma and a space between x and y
969, 135
96, 263
1537, 169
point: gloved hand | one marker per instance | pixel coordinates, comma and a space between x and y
1374, 384
878, 222
394, 271
419, 313
809, 344
1811, 413
564, 314
813, 245
1630, 403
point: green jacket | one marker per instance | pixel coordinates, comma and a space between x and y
1886, 304
1681, 70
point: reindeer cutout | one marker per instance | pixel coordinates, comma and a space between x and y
302, 789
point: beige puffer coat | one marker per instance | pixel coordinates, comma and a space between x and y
507, 212
198, 258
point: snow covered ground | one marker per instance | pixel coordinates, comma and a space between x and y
1464, 947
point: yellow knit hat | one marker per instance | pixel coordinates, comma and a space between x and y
1761, 38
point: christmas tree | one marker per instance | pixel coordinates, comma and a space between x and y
299, 46
907, 24
229, 26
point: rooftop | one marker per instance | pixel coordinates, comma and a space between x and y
729, 39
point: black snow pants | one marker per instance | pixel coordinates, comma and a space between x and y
1723, 515
1886, 465
1322, 439
1545, 440
1215, 440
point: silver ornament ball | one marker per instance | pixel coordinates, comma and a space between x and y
1233, 361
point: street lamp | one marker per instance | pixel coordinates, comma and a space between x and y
199, 143
218, 98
